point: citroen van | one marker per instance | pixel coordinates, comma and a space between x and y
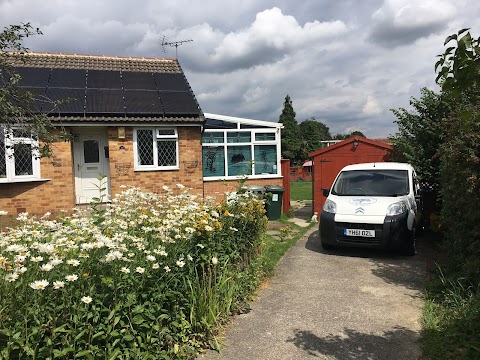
375, 205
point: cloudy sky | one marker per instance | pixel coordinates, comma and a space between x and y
344, 62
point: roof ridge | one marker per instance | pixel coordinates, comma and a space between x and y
94, 56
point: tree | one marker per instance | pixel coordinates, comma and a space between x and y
17, 107
346, 136
458, 74
421, 132
312, 132
291, 141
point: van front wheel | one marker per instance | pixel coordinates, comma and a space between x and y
409, 247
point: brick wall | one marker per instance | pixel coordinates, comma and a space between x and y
122, 165
53, 194
217, 189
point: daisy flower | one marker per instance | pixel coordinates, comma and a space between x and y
58, 285
214, 260
11, 277
46, 267
167, 269
73, 262
139, 270
71, 277
39, 284
125, 270
86, 299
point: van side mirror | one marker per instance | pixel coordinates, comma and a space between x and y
325, 191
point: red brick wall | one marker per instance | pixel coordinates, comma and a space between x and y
52, 195
122, 164
217, 189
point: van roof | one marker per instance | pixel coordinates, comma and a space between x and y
379, 165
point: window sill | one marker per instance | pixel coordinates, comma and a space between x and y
249, 177
13, 181
173, 168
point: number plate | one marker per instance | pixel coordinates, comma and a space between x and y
359, 232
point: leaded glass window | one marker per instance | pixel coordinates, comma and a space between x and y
3, 164
156, 149
19, 160
145, 147
23, 159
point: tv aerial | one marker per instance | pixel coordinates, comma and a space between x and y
165, 42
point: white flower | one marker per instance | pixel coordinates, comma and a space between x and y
233, 229
200, 246
22, 270
166, 188
73, 262
214, 260
3, 212
58, 285
46, 267
155, 266
181, 186
167, 269
36, 258
163, 253
46, 248
71, 277
125, 270
11, 277
208, 228
55, 261
189, 257
139, 270
151, 258
39, 284
87, 299
180, 263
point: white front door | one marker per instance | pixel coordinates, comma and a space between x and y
90, 149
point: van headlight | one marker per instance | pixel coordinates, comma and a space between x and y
330, 206
397, 208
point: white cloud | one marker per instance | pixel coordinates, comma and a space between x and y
371, 106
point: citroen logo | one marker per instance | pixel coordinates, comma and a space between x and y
359, 211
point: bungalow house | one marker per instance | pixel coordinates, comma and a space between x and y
137, 122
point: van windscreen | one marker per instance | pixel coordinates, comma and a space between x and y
371, 183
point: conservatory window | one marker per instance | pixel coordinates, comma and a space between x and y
234, 153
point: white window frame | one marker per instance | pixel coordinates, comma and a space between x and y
252, 143
10, 141
156, 138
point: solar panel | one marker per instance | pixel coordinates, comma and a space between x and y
138, 81
38, 96
105, 101
142, 102
68, 78
33, 77
171, 82
73, 101
103, 79
179, 103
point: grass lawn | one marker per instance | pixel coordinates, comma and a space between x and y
301, 190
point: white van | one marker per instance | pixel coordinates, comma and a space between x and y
374, 205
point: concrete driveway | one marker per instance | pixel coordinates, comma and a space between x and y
342, 304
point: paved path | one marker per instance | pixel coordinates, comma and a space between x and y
344, 304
